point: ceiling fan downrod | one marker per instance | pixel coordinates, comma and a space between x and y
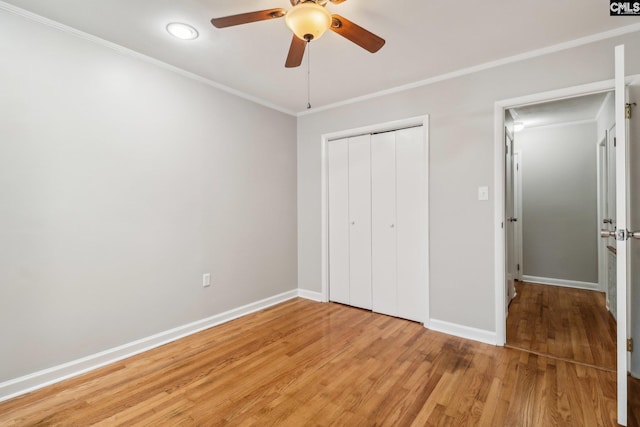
309, 75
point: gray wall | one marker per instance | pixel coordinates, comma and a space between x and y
559, 201
121, 183
461, 159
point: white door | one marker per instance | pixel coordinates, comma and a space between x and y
383, 220
510, 223
339, 225
634, 224
517, 213
399, 252
350, 221
625, 245
360, 221
411, 227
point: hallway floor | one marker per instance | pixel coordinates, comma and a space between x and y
567, 323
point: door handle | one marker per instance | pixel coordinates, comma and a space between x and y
620, 234
606, 234
607, 221
633, 235
512, 219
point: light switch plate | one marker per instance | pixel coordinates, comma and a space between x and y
483, 193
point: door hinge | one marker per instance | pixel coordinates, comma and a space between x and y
630, 345
627, 109
518, 267
615, 141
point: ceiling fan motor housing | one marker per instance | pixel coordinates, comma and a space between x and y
308, 20
319, 2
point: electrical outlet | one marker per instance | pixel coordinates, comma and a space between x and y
206, 280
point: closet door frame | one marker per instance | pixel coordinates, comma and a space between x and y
375, 128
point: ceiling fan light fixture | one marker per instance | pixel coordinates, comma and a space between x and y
182, 31
308, 20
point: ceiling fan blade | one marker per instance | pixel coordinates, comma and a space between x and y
337, 1
246, 18
355, 33
296, 52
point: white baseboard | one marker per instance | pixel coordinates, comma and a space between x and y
488, 337
561, 282
310, 295
27, 383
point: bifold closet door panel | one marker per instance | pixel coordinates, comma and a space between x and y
411, 223
383, 220
338, 157
360, 221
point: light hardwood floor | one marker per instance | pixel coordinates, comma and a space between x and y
568, 323
305, 363
633, 408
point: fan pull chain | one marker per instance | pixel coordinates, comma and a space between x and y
308, 75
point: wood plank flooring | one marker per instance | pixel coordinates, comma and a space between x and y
633, 407
305, 363
568, 323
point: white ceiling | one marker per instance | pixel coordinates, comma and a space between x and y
424, 39
562, 111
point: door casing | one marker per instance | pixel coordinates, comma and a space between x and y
500, 107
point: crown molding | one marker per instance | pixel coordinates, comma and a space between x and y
482, 67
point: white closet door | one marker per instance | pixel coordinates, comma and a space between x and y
360, 221
411, 223
383, 223
339, 220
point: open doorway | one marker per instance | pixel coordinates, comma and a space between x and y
556, 189
627, 233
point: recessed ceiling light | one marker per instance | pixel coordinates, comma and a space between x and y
182, 31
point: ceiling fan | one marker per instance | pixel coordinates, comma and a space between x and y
308, 19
